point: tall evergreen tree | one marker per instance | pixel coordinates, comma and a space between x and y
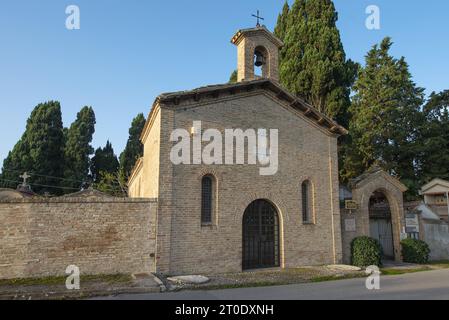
282, 23
104, 161
39, 151
134, 148
313, 63
434, 155
17, 162
385, 113
78, 149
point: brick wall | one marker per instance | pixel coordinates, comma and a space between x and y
305, 152
101, 235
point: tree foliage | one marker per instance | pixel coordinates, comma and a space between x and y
78, 149
40, 150
313, 62
104, 161
434, 143
134, 148
385, 118
109, 183
280, 29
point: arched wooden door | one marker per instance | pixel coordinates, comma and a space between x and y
260, 236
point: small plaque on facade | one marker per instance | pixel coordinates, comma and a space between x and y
411, 223
350, 225
350, 205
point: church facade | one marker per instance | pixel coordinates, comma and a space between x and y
228, 216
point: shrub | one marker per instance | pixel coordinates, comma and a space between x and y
415, 251
366, 251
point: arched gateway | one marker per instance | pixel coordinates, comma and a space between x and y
260, 236
377, 212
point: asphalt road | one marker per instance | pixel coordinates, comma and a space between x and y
422, 285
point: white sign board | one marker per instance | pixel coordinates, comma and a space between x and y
350, 225
412, 223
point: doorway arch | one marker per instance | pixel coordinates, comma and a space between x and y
260, 237
362, 189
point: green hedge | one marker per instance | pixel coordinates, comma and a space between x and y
415, 251
366, 251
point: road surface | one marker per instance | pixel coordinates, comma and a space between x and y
420, 285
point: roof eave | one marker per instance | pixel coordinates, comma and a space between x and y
240, 33
308, 110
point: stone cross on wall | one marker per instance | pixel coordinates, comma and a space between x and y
25, 176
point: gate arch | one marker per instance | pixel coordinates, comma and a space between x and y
363, 188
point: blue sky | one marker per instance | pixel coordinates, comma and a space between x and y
128, 52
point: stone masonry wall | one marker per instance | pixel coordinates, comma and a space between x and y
41, 237
359, 218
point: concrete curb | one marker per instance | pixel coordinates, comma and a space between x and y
78, 294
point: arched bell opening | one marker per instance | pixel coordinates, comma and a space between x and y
261, 60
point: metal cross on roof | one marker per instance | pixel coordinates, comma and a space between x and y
258, 18
25, 176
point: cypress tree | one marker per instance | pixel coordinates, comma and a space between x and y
313, 63
104, 161
17, 162
39, 151
282, 22
78, 149
134, 148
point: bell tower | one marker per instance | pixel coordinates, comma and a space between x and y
257, 47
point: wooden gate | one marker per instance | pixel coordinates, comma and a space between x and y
380, 223
381, 230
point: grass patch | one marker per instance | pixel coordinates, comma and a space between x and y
393, 272
440, 264
60, 280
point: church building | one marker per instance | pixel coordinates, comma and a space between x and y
228, 216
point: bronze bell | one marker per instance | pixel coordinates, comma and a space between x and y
260, 61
